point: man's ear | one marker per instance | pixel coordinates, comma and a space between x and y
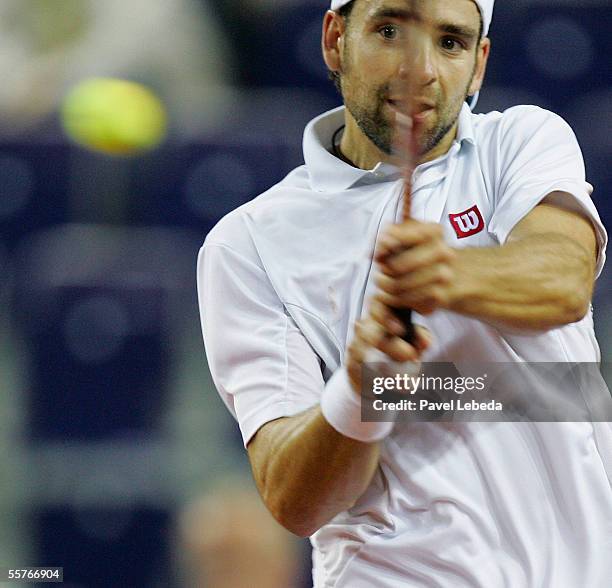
332, 40
482, 58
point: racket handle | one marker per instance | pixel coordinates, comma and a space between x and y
405, 315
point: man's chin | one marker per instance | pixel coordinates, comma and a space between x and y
414, 133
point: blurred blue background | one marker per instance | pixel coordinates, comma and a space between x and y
119, 461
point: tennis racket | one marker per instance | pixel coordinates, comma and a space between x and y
409, 165
406, 143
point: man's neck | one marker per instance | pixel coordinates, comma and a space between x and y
359, 150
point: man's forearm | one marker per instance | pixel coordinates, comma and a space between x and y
539, 282
307, 472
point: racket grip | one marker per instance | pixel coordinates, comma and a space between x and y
405, 315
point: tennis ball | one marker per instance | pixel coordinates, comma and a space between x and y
114, 116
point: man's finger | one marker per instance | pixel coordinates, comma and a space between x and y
385, 317
440, 274
422, 301
375, 336
404, 235
416, 258
423, 338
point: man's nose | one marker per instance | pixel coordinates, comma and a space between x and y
418, 65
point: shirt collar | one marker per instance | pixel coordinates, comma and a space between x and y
330, 174
465, 129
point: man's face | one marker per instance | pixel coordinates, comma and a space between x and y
428, 50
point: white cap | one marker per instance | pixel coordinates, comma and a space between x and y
485, 6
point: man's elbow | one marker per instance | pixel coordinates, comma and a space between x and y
298, 527
567, 300
576, 311
573, 288
294, 509
562, 309
575, 305
299, 520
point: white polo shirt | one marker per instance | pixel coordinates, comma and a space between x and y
281, 281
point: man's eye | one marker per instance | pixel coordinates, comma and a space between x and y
389, 32
451, 44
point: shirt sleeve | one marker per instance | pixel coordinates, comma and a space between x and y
539, 154
260, 362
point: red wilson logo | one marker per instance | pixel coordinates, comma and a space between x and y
467, 223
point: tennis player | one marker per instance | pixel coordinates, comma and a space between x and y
498, 264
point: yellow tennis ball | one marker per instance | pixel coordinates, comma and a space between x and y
114, 116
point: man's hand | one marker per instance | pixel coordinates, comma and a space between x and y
381, 330
540, 278
417, 267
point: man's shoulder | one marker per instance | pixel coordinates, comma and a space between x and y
235, 226
522, 120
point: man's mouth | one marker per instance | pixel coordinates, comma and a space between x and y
419, 109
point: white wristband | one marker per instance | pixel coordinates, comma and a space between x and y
341, 407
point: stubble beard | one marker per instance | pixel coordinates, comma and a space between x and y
381, 131
372, 121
